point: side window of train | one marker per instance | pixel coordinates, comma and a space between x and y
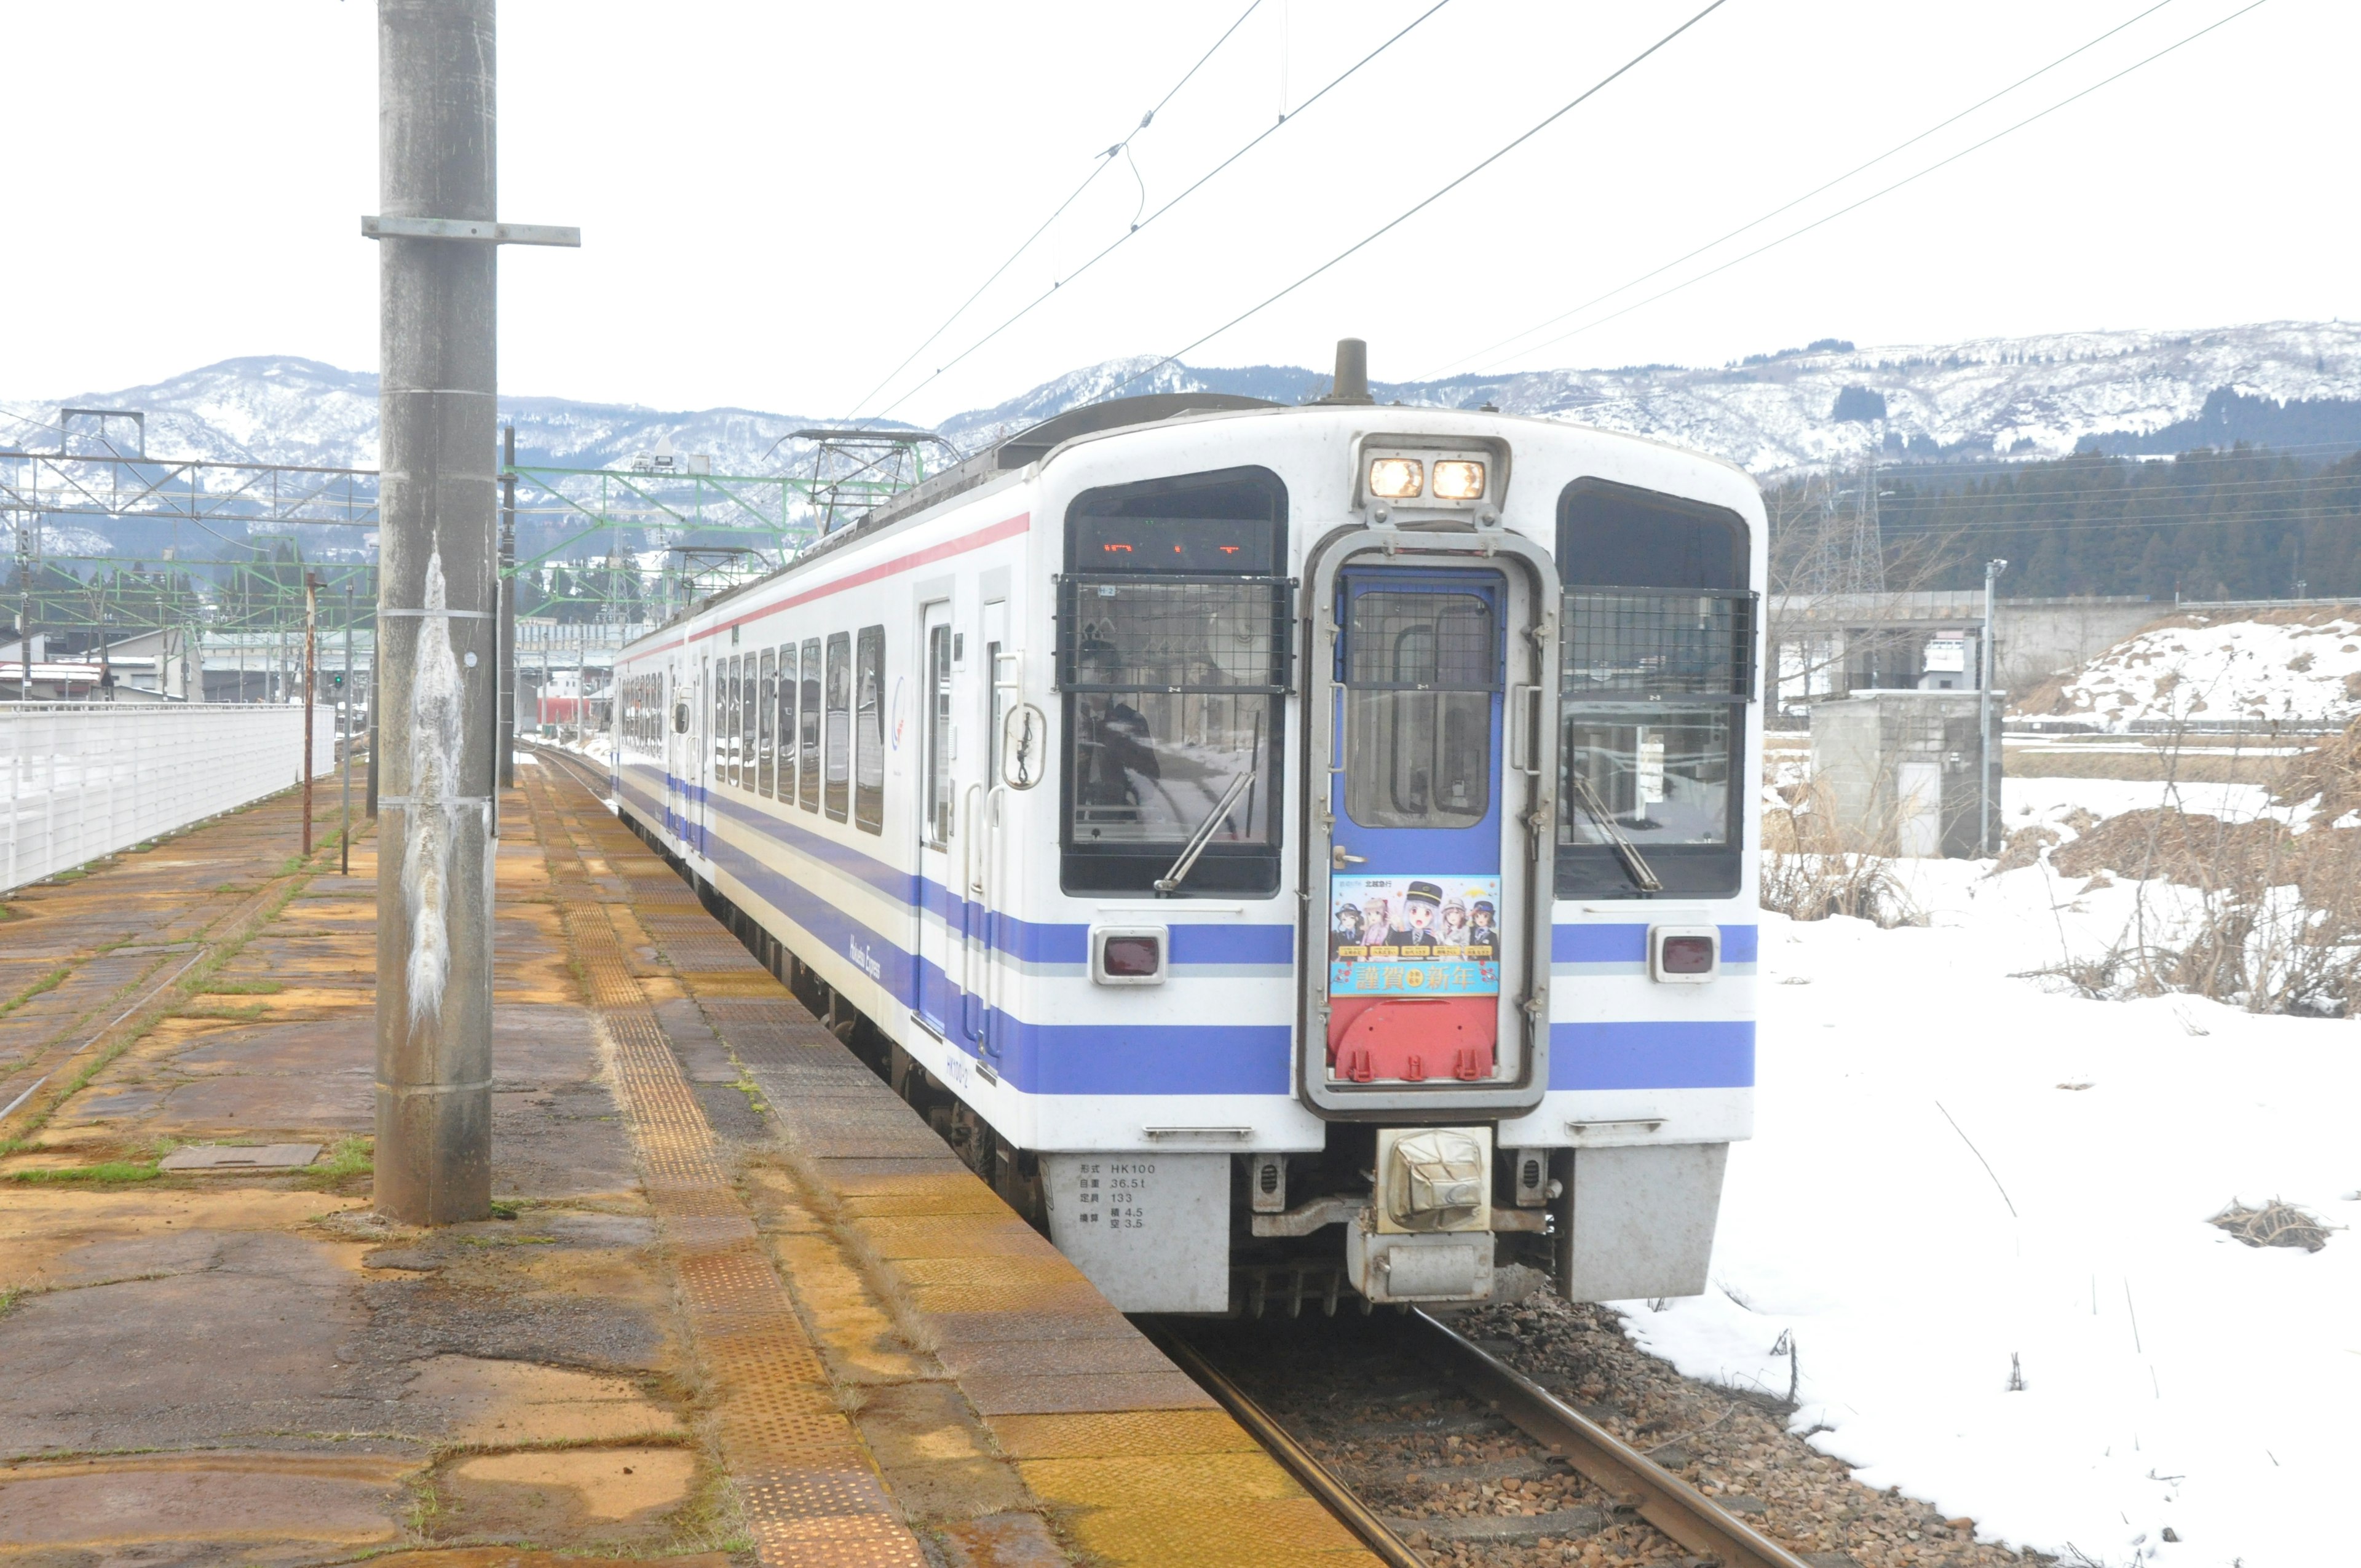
740, 739
869, 731
807, 729
783, 723
839, 765
1656, 670
767, 751
717, 672
1173, 657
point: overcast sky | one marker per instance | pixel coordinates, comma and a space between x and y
780, 201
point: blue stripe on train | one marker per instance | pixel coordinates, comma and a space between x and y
1627, 944
1652, 1054
1100, 1058
1228, 943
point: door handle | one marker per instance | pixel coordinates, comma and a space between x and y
1339, 859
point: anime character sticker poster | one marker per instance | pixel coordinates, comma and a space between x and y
1414, 936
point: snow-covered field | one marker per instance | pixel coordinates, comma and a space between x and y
2285, 668
1958, 1175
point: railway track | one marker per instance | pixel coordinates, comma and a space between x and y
1436, 1452
1432, 1449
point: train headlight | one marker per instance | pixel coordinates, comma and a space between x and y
1456, 479
1397, 478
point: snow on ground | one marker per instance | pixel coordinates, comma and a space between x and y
2279, 669
1926, 1207
2051, 800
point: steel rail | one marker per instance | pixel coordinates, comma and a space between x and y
1629, 1476
1636, 1481
1350, 1511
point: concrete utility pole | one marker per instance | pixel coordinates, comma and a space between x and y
436, 119
436, 661
311, 691
1989, 753
507, 588
344, 726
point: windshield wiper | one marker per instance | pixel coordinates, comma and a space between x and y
1635, 865
1172, 879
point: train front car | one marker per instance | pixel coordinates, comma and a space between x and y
1397, 791
1294, 854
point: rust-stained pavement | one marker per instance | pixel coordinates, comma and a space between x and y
743, 1306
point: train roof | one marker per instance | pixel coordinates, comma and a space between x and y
1036, 442
1027, 445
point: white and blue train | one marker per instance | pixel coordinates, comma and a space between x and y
1295, 853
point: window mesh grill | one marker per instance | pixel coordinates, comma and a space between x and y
1656, 642
1175, 634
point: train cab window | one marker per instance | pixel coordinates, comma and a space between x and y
1422, 669
1657, 672
807, 729
1172, 657
838, 766
869, 731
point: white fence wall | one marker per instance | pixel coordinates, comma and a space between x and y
82, 779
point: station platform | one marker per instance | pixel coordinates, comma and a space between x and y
738, 1303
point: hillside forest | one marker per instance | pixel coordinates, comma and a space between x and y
2240, 522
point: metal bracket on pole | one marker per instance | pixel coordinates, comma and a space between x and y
479, 229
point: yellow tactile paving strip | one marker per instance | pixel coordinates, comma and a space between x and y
811, 1495
1136, 1463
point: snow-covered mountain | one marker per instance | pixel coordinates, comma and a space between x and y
2281, 383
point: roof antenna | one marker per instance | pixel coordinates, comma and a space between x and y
1352, 384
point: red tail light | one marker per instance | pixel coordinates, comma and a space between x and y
1688, 955
1133, 958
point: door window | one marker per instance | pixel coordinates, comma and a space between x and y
840, 727
1421, 671
938, 801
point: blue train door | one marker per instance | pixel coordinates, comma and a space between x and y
1431, 903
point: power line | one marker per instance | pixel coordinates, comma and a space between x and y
1142, 223
2301, 514
1576, 102
1098, 167
1789, 206
1898, 184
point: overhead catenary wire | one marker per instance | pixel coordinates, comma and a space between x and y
1099, 165
1141, 225
1411, 211
1907, 179
1896, 149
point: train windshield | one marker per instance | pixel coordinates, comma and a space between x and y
1172, 711
1656, 670
1172, 656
